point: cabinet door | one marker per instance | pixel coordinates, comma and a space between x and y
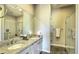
26, 51
35, 48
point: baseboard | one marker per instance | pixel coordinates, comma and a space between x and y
44, 52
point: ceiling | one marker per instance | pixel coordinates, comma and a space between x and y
59, 5
13, 10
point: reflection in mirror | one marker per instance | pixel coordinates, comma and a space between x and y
0, 8
13, 21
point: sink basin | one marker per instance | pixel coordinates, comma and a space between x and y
16, 46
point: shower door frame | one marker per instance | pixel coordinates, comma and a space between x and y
77, 30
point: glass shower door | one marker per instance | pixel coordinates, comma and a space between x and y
70, 33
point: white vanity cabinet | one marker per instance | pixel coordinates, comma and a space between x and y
34, 48
26, 51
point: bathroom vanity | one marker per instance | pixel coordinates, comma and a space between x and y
31, 46
14, 22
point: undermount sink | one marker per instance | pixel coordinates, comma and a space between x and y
16, 46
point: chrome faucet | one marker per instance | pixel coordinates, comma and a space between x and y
13, 41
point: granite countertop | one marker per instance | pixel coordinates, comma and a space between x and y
26, 44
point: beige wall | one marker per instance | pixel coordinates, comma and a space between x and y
42, 24
59, 16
